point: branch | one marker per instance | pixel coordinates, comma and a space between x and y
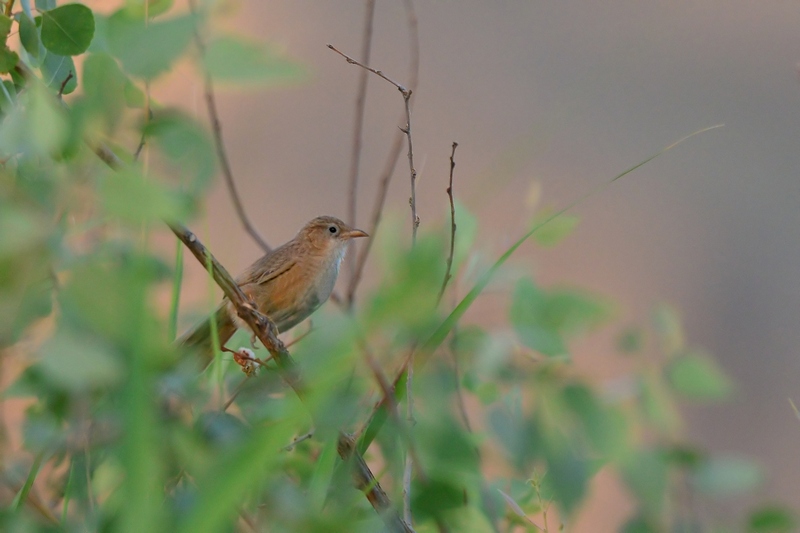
391, 160
452, 224
64, 83
266, 332
358, 127
216, 128
407, 130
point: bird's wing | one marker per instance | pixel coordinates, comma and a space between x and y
268, 268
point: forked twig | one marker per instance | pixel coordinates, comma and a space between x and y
219, 144
407, 130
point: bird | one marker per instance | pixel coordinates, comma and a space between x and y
287, 284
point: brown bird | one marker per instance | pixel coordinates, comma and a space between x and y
287, 284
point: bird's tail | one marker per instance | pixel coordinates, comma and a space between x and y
199, 337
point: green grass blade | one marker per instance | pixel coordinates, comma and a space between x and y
22, 495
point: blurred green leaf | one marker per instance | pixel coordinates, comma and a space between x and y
568, 475
151, 8
529, 315
147, 49
42, 5
553, 230
136, 199
234, 60
406, 299
37, 126
727, 476
79, 362
645, 474
696, 376
67, 30
605, 427
667, 323
631, 340
641, 524
187, 146
434, 498
772, 519
657, 404
8, 58
29, 35
104, 86
55, 69
544, 320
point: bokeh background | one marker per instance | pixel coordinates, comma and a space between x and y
547, 100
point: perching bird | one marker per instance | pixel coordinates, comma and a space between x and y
287, 284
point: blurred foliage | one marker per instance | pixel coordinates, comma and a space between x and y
122, 432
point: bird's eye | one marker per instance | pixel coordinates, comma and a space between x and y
333, 229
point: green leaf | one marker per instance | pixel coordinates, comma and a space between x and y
645, 474
696, 376
667, 323
29, 35
79, 362
104, 85
43, 5
556, 230
727, 476
136, 199
67, 30
543, 320
234, 60
186, 144
531, 322
8, 60
772, 519
5, 26
147, 50
151, 8
55, 69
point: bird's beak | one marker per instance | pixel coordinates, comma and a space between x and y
353, 233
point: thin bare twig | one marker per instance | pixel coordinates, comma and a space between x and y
222, 155
358, 126
297, 440
64, 83
447, 274
407, 130
391, 159
409, 466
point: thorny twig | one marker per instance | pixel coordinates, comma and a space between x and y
447, 274
391, 160
216, 128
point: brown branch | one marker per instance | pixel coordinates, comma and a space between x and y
9, 7
358, 126
216, 128
392, 158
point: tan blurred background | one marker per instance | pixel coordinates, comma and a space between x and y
565, 95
